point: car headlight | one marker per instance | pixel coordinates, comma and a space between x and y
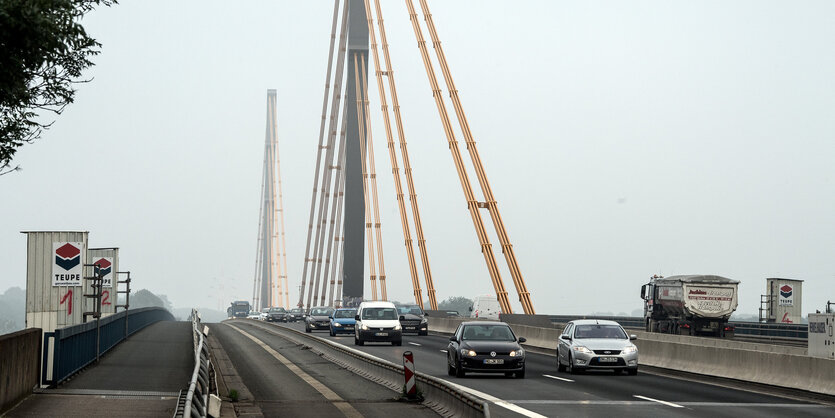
364, 327
630, 349
397, 327
583, 350
520, 352
465, 352
423, 321
337, 324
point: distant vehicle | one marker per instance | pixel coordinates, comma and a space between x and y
254, 315
263, 314
377, 321
238, 309
485, 307
277, 315
485, 347
318, 320
295, 314
343, 321
413, 319
596, 344
452, 313
690, 305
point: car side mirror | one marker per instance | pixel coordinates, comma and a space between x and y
522, 339
356, 317
566, 337
402, 318
470, 308
426, 314
633, 337
453, 338
330, 316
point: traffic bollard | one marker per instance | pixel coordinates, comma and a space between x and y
409, 374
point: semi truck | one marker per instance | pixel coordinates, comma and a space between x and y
238, 309
690, 304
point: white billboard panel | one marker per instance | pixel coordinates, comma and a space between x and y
67, 269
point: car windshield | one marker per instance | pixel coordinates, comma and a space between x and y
348, 313
488, 333
410, 310
379, 313
296, 310
321, 311
274, 310
600, 331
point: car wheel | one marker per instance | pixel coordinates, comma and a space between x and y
361, 342
449, 369
459, 370
307, 329
632, 372
356, 341
423, 333
397, 343
560, 366
520, 374
332, 334
571, 368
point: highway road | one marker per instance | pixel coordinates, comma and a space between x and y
546, 392
286, 380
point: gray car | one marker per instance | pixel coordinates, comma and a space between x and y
596, 344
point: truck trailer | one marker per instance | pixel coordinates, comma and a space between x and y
238, 309
690, 305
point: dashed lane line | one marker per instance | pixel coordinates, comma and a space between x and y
659, 401
443, 351
558, 378
329, 394
414, 343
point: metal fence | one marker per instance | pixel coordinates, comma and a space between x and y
75, 347
196, 403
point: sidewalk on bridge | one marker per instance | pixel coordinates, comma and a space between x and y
140, 377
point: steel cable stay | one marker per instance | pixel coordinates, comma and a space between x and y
490, 201
389, 73
335, 213
319, 152
472, 203
319, 285
373, 176
256, 288
410, 253
363, 135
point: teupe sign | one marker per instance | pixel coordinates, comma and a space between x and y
67, 268
786, 295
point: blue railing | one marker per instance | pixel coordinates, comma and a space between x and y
74, 347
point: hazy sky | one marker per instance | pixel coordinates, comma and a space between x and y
621, 139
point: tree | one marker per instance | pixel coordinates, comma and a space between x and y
456, 303
43, 51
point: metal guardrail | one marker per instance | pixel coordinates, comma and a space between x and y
76, 347
197, 398
767, 331
442, 396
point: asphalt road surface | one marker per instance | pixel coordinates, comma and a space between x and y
546, 392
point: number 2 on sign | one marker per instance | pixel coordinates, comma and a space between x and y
105, 297
67, 298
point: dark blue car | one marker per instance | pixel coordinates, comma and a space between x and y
342, 321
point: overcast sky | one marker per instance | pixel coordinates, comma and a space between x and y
621, 139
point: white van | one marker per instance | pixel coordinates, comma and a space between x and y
377, 321
486, 307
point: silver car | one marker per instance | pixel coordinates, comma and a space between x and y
596, 344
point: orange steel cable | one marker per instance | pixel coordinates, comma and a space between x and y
319, 152
256, 281
407, 168
472, 203
498, 223
395, 170
369, 238
373, 174
282, 273
338, 193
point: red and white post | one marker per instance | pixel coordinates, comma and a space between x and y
409, 374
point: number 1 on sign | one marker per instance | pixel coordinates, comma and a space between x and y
67, 298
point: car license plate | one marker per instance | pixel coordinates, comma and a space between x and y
608, 359
493, 361
382, 334
410, 327
349, 327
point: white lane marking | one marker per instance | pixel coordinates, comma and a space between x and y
329, 394
558, 378
414, 343
661, 402
443, 351
505, 404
